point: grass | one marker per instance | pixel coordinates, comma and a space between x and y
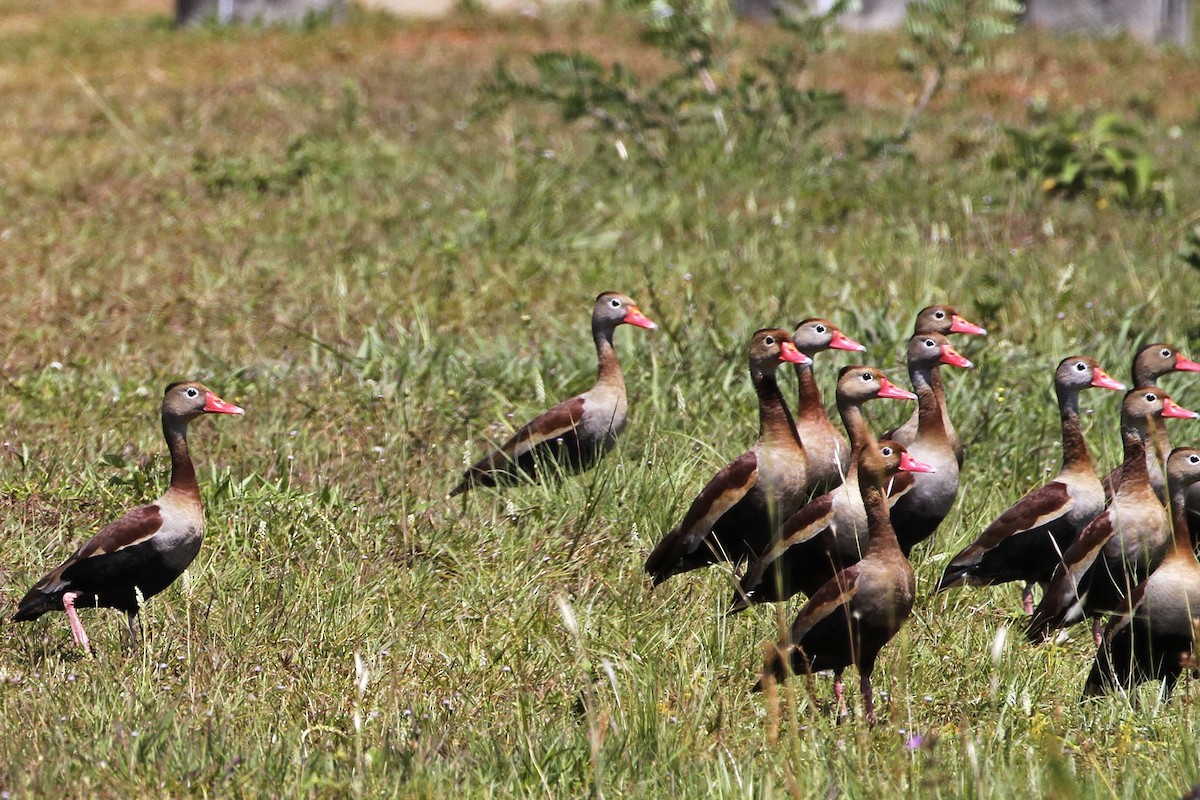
314, 223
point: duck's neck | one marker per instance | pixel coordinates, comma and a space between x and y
1181, 535
927, 384
1133, 469
609, 373
183, 473
1075, 451
808, 403
775, 422
856, 427
879, 523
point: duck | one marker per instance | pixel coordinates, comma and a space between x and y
1152, 636
1122, 546
917, 515
944, 320
827, 449
135, 557
1151, 362
574, 434
849, 620
829, 533
1024, 543
738, 512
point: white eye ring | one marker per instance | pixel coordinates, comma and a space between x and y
820, 329
887, 451
616, 303
940, 314
1151, 397
930, 343
769, 340
866, 376
1165, 353
191, 392
1081, 366
1194, 459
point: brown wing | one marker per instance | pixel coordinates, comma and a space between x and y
136, 526
516, 455
722, 493
900, 485
1063, 601
809, 521
1038, 509
836, 593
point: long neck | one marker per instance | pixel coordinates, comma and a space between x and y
929, 400
1133, 468
1075, 449
879, 523
609, 373
808, 403
775, 422
1181, 535
183, 474
856, 427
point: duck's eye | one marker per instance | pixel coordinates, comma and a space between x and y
1081, 367
191, 392
616, 303
939, 314
1151, 397
1165, 353
930, 343
887, 451
769, 340
1194, 459
820, 329
866, 376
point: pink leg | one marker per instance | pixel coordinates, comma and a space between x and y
1098, 632
839, 691
77, 631
1027, 599
868, 698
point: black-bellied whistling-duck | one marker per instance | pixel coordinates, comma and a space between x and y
1119, 548
1152, 635
134, 558
576, 432
849, 619
739, 512
944, 320
829, 533
1150, 363
828, 453
1024, 543
921, 510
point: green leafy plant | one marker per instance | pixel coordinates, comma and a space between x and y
1189, 253
703, 96
949, 36
1104, 160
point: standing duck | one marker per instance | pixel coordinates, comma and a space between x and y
829, 533
858, 611
576, 432
919, 512
1119, 548
1152, 636
943, 320
828, 453
1024, 543
134, 558
1150, 363
738, 513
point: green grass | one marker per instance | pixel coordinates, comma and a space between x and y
315, 224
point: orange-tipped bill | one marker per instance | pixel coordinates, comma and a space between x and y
215, 405
634, 316
910, 464
950, 356
1173, 409
960, 325
841, 341
1186, 364
789, 353
1102, 380
891, 391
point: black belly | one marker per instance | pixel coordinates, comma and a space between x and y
115, 579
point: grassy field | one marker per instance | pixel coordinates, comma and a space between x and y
315, 223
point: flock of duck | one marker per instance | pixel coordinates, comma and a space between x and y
807, 510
